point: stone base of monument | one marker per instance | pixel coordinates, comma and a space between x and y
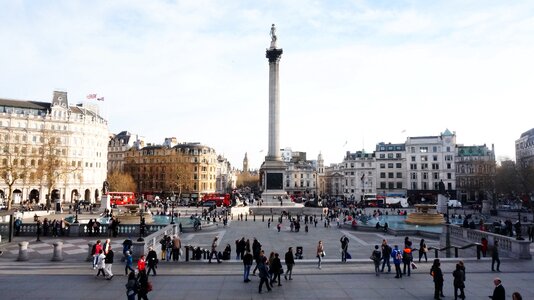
129, 214
297, 209
425, 215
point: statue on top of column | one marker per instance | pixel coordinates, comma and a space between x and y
273, 36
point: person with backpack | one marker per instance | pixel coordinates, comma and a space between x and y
375, 257
407, 260
128, 263
344, 247
397, 258
386, 253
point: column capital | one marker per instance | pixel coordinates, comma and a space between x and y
273, 54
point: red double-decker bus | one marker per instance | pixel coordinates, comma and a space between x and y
218, 198
121, 198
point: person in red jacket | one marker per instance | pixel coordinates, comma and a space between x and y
141, 263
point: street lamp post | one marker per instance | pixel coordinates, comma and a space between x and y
172, 207
141, 221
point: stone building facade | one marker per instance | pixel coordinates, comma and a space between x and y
524, 149
52, 150
475, 172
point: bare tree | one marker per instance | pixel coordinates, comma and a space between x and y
121, 182
14, 164
53, 166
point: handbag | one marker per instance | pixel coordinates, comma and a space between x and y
323, 254
414, 266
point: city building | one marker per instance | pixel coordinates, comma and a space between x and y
430, 159
300, 175
118, 145
359, 175
391, 169
524, 149
52, 151
185, 169
475, 172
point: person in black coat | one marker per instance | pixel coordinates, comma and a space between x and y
152, 261
499, 292
290, 262
276, 269
458, 282
437, 274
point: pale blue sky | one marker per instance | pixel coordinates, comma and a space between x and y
355, 71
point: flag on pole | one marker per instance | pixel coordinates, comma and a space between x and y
100, 99
91, 96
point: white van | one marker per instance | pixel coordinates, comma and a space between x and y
454, 203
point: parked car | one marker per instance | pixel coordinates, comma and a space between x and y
454, 203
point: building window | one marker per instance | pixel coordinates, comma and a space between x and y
435, 175
413, 176
449, 175
382, 185
423, 149
382, 175
390, 175
424, 166
413, 158
424, 158
414, 185
425, 175
435, 158
399, 175
399, 185
382, 155
413, 166
390, 165
382, 166
449, 166
391, 185
390, 155
398, 165
434, 149
435, 166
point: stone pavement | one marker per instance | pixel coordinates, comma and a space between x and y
39, 278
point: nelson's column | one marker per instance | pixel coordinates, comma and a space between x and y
273, 168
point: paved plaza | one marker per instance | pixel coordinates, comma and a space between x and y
73, 278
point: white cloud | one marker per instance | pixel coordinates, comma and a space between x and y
351, 71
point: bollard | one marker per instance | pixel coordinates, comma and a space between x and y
456, 252
246, 217
187, 253
436, 253
23, 251
263, 218
479, 249
90, 251
58, 251
321, 217
205, 254
254, 218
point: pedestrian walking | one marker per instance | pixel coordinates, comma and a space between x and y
386, 253
131, 286
375, 257
141, 263
144, 285
499, 292
101, 264
423, 250
176, 246
344, 247
276, 269
290, 262
128, 263
109, 263
437, 275
151, 261
96, 252
396, 254
458, 282
264, 275
320, 253
214, 250
495, 257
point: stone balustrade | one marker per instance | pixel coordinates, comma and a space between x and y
508, 246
